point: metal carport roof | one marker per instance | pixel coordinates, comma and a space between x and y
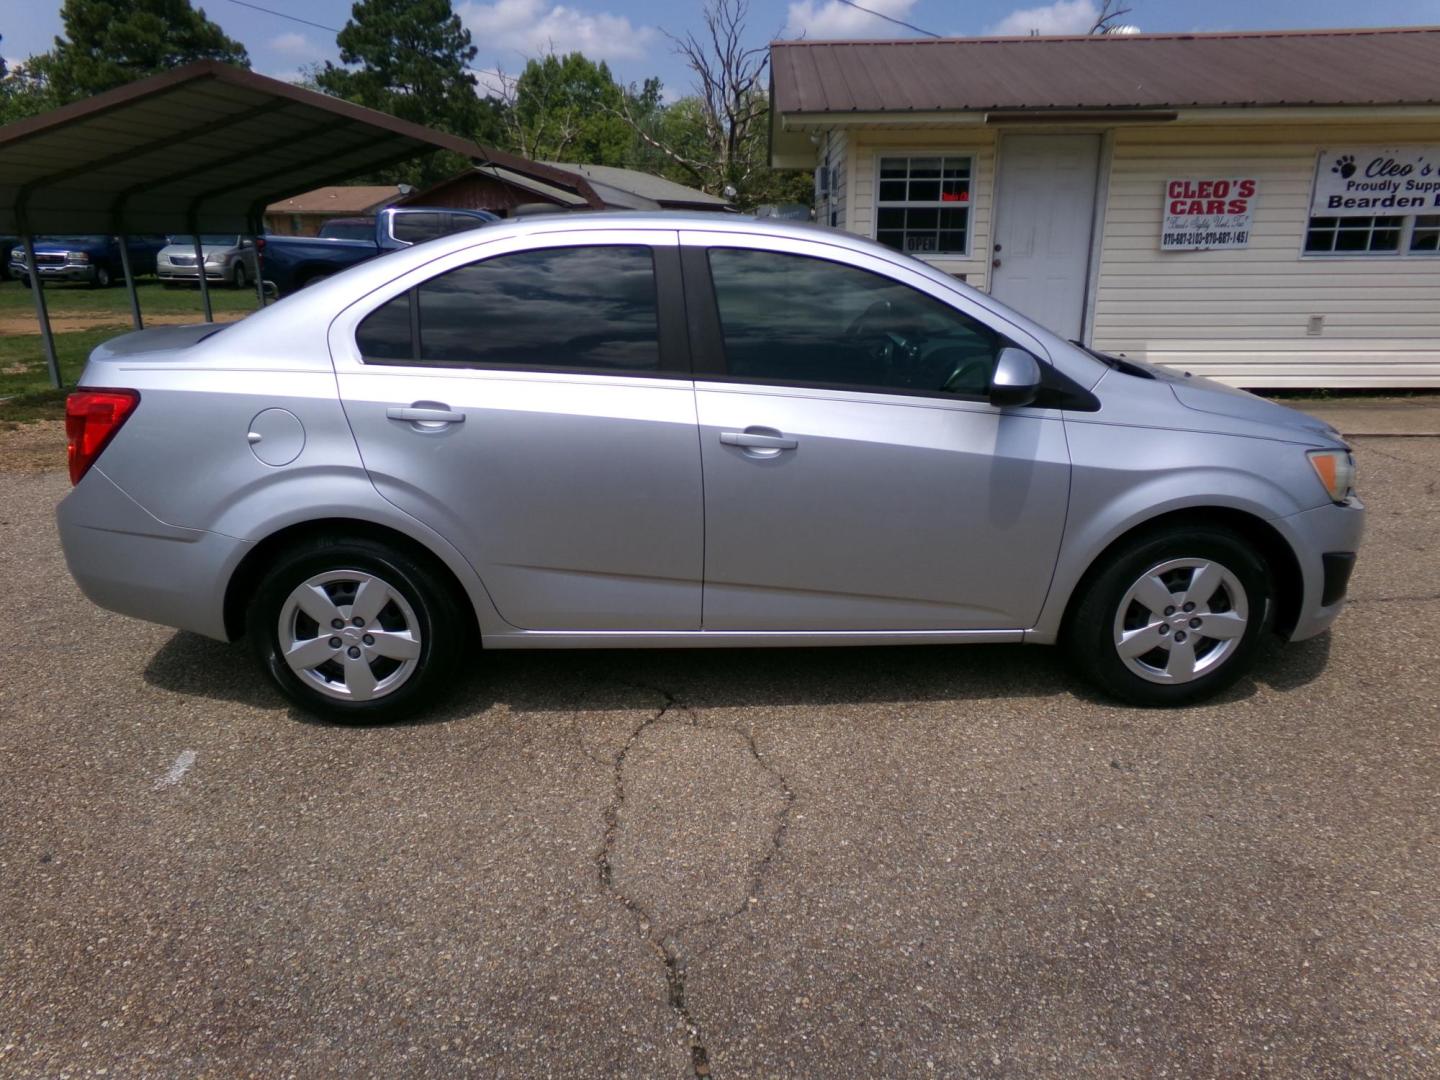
205, 148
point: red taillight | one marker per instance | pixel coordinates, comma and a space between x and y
92, 417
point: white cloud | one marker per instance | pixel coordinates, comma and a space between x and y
297, 46
1061, 17
832, 19
535, 27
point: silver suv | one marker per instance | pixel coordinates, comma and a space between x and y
660, 431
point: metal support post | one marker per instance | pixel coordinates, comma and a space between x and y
204, 283
41, 312
135, 318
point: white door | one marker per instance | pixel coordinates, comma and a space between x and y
1045, 208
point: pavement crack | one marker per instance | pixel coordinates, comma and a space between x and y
668, 946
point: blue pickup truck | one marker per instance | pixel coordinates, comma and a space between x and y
94, 260
292, 262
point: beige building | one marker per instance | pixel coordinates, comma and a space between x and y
1260, 208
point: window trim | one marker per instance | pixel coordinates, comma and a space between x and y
671, 338
972, 153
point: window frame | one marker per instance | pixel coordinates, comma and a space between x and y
671, 337
707, 331
876, 204
1401, 251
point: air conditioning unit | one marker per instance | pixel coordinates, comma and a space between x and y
823, 180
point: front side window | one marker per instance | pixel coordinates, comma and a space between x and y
922, 205
801, 320
559, 309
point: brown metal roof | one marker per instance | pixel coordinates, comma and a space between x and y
338, 199
1143, 71
204, 148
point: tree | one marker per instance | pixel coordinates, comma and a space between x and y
568, 108
107, 43
409, 58
717, 138
1107, 19
22, 94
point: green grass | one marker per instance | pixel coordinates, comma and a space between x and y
25, 381
156, 299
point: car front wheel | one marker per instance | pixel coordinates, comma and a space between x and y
356, 631
1174, 617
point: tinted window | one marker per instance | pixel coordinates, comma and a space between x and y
794, 319
462, 222
385, 332
415, 228
588, 308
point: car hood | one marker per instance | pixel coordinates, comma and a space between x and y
1202, 395
187, 249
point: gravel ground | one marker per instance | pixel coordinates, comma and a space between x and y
874, 862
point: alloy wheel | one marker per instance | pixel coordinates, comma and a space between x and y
350, 635
1181, 620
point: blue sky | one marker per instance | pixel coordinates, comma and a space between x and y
629, 33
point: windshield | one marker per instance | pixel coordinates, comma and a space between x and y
208, 239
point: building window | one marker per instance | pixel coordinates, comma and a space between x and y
1425, 236
923, 204
1394, 235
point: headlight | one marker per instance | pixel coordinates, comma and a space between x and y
1336, 470
214, 260
78, 257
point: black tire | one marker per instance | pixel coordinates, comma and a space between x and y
101, 279
240, 278
1090, 635
439, 620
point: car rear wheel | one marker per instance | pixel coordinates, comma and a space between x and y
1172, 618
241, 279
356, 631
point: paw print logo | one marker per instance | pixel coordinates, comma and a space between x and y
1345, 166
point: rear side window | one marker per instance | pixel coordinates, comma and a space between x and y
415, 228
556, 309
801, 320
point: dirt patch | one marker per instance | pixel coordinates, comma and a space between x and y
63, 324
32, 447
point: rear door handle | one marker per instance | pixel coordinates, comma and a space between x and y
757, 441
412, 414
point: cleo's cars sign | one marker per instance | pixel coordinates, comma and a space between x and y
1377, 182
1204, 214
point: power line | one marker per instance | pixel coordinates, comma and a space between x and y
879, 15
285, 15
335, 30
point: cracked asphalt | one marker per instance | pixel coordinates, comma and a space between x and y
874, 862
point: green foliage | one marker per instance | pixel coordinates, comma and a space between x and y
568, 108
108, 43
409, 58
21, 95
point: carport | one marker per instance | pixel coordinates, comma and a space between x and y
201, 149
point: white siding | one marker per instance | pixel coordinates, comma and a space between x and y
867, 144
1241, 316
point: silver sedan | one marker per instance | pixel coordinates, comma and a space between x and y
674, 431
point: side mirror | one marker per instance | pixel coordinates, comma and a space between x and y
1017, 378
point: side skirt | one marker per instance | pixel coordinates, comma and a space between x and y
737, 639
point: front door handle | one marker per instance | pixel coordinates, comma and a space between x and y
417, 415
758, 441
